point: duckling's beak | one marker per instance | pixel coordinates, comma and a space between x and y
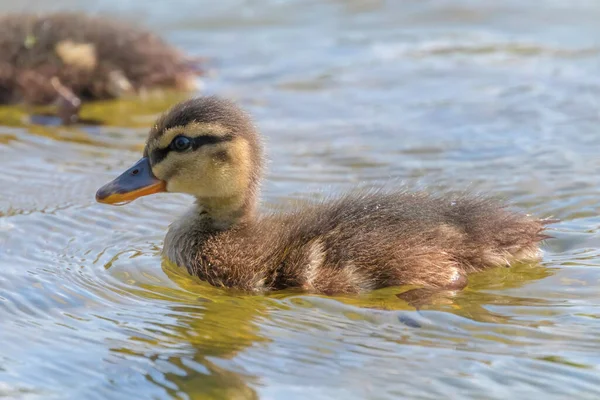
136, 182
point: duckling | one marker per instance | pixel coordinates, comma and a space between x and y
208, 148
67, 58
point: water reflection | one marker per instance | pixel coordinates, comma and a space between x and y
206, 323
191, 375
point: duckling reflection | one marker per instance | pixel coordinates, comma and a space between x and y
204, 323
195, 376
208, 148
218, 323
473, 303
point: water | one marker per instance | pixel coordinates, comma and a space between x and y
501, 97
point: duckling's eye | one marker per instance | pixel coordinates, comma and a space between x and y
181, 143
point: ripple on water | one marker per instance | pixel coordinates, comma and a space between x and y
434, 94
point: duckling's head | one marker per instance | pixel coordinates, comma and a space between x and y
206, 147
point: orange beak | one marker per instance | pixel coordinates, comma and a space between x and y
136, 182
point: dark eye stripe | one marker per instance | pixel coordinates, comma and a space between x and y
202, 140
157, 155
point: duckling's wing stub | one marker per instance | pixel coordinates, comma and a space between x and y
377, 239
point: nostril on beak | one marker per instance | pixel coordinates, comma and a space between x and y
135, 171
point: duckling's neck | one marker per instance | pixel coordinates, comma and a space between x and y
221, 213
207, 217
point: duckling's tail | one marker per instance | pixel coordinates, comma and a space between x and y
542, 235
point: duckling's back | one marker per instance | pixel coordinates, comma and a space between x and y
374, 239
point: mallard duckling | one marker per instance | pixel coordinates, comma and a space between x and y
70, 57
208, 148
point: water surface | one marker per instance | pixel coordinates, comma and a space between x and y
499, 97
